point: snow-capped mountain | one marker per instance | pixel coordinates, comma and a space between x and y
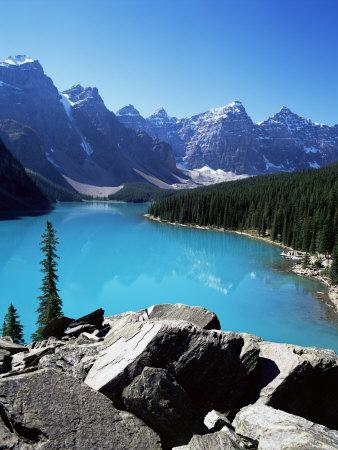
72, 135
226, 138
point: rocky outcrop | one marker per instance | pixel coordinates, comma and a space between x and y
52, 410
162, 375
301, 381
193, 314
207, 364
279, 430
157, 399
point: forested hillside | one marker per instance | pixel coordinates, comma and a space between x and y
54, 192
298, 209
140, 193
17, 190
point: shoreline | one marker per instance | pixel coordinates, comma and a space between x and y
297, 269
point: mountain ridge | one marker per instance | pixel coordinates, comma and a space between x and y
80, 138
226, 138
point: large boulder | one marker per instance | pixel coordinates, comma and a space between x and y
157, 399
278, 430
51, 410
12, 347
74, 331
196, 315
207, 364
94, 318
301, 381
224, 439
56, 327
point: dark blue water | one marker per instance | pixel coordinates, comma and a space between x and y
112, 257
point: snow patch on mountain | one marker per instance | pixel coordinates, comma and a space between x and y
67, 104
311, 150
314, 165
206, 176
17, 60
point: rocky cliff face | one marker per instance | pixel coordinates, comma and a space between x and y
17, 190
164, 377
226, 138
73, 133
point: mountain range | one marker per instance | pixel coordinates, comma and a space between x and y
226, 138
71, 137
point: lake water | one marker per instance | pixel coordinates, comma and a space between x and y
112, 257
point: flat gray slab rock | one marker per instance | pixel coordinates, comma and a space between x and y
51, 410
206, 363
11, 347
157, 399
301, 381
278, 430
196, 315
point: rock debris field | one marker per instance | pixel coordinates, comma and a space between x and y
165, 378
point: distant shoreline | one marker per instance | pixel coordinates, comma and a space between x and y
296, 268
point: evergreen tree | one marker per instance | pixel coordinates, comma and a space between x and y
50, 306
334, 266
12, 326
306, 261
299, 209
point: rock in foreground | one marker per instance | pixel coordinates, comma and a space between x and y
149, 379
157, 398
279, 430
52, 410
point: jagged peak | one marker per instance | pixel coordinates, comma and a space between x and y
17, 60
160, 112
78, 93
288, 119
234, 108
128, 110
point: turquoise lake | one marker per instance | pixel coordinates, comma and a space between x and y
112, 257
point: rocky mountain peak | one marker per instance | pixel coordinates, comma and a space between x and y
128, 110
17, 60
287, 119
78, 93
234, 108
160, 112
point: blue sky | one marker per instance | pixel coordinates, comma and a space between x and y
185, 55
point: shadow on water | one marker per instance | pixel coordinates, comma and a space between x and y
16, 215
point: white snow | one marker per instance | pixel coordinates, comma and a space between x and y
311, 150
17, 60
86, 146
206, 176
67, 104
314, 165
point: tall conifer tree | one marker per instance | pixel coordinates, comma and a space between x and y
50, 306
334, 266
12, 326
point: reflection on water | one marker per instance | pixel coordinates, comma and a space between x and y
112, 257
